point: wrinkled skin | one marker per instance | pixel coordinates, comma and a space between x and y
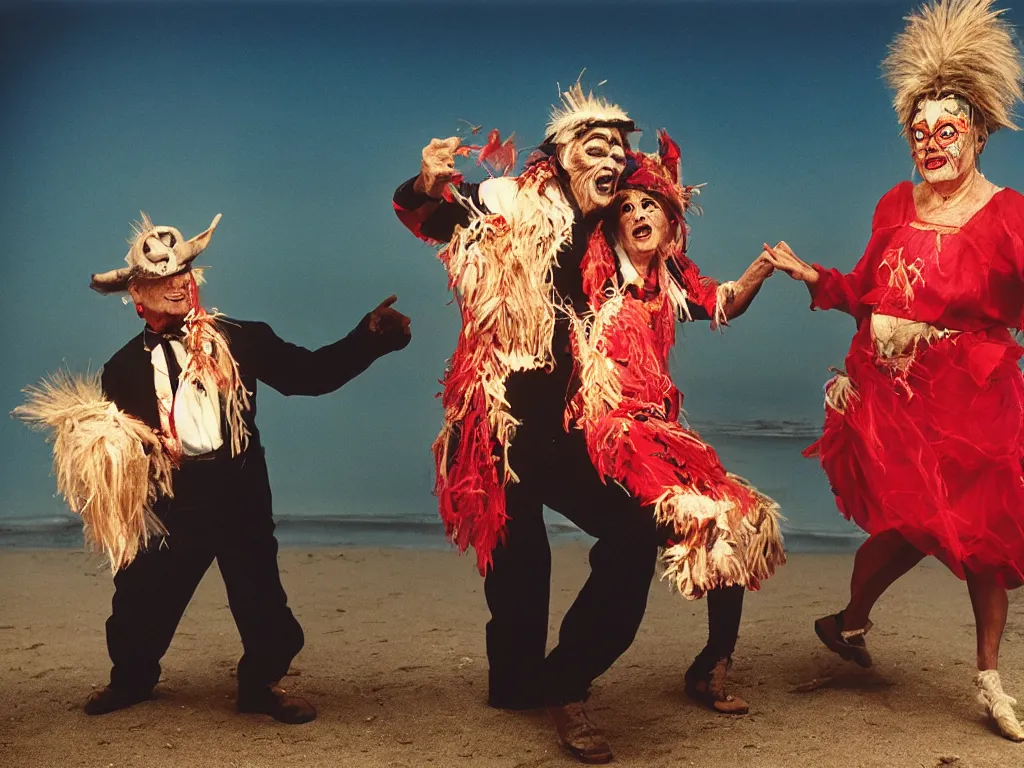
643, 229
165, 301
594, 162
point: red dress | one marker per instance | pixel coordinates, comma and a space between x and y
929, 441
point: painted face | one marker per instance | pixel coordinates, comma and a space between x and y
164, 300
594, 162
643, 226
942, 139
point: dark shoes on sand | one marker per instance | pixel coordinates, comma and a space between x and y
708, 687
274, 701
270, 700
849, 644
104, 700
577, 735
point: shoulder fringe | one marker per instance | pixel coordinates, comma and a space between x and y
960, 46
210, 355
500, 268
110, 467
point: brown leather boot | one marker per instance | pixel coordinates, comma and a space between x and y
274, 701
709, 688
577, 735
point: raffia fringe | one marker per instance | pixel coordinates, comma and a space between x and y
500, 268
210, 357
840, 391
110, 467
716, 551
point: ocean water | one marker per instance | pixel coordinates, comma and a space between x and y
767, 453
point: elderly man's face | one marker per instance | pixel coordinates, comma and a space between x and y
594, 161
164, 300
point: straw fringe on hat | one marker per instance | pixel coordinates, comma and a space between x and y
956, 46
156, 251
581, 110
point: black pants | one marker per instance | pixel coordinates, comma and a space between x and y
221, 510
603, 621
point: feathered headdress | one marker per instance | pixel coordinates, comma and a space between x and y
956, 46
581, 110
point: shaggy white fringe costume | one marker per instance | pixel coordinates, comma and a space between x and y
110, 467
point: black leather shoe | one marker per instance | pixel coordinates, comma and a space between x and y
275, 701
105, 700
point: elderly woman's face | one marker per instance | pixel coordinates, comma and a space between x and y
943, 139
643, 226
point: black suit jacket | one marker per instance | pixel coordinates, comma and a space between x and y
262, 355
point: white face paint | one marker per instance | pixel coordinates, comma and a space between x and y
942, 139
594, 162
644, 229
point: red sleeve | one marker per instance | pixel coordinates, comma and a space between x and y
834, 290
701, 290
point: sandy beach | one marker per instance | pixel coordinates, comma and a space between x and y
395, 663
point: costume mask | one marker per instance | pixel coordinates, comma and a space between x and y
943, 139
594, 161
643, 228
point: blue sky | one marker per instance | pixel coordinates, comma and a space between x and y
297, 121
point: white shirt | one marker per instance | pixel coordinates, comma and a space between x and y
196, 425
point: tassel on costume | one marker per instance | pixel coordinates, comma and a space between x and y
110, 467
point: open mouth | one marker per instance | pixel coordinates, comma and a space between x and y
176, 297
642, 231
605, 182
934, 163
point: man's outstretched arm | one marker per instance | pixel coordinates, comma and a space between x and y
295, 370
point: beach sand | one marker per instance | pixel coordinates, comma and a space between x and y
394, 661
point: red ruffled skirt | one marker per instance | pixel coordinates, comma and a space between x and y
934, 452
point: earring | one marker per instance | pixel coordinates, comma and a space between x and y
139, 309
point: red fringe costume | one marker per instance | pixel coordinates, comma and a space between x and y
720, 531
924, 434
500, 272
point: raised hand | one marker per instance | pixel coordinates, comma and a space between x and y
437, 166
781, 257
388, 322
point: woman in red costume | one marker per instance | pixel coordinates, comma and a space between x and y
722, 535
924, 436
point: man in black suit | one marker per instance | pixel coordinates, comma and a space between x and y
192, 377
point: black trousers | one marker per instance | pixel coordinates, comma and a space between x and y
221, 510
604, 619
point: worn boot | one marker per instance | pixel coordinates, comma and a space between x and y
998, 704
708, 687
274, 701
577, 735
108, 699
849, 644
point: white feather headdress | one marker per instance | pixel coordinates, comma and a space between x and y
579, 110
956, 46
